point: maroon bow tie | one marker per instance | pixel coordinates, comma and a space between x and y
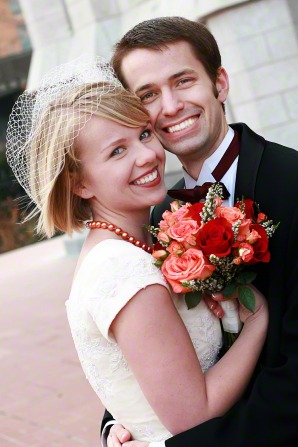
199, 192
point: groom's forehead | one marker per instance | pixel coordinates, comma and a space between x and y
140, 67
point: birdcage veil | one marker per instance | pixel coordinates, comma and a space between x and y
95, 75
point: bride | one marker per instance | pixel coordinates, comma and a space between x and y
84, 149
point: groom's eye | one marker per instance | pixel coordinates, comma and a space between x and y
184, 81
147, 96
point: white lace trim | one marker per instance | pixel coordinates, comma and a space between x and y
102, 287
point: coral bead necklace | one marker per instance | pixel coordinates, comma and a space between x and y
95, 224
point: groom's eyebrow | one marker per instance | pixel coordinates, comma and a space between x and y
144, 87
186, 71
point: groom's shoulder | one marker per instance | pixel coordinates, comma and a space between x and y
275, 157
281, 158
158, 210
271, 148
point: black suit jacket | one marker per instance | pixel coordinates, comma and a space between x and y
267, 415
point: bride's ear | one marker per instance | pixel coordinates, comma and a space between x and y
80, 189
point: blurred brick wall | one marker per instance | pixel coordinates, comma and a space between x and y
10, 42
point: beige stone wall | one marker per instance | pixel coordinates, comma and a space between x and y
259, 47
258, 40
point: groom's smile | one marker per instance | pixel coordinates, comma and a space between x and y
185, 106
184, 125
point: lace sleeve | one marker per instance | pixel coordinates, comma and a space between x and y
126, 270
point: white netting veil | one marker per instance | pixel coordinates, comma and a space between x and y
53, 101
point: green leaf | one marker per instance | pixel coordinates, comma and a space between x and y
245, 277
229, 290
246, 297
158, 263
192, 299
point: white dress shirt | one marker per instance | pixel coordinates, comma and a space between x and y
229, 179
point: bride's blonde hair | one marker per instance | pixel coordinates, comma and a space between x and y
53, 159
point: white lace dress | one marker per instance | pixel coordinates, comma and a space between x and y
110, 275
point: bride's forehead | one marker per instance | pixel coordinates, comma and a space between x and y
104, 132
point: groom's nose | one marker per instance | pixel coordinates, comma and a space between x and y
171, 102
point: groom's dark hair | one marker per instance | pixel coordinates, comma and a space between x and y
155, 34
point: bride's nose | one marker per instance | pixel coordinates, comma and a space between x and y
145, 155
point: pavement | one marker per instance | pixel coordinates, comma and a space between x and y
45, 399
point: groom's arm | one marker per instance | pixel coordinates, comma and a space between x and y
107, 418
107, 422
267, 415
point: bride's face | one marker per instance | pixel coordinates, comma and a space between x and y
122, 168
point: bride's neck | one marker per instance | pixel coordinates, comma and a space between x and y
132, 223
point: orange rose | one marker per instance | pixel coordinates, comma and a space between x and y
175, 206
184, 231
190, 265
252, 236
230, 213
163, 237
245, 253
159, 254
168, 220
244, 230
181, 213
260, 246
261, 217
175, 248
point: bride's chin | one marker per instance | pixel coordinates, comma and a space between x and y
161, 198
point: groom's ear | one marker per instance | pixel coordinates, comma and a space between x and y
222, 84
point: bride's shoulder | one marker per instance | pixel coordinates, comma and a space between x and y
110, 255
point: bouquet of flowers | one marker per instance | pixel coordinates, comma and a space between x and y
206, 247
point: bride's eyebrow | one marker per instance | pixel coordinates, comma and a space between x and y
114, 143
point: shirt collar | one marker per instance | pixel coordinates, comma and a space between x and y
210, 163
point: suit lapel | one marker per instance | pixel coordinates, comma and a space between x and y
251, 151
179, 185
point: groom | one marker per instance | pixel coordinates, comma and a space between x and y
174, 66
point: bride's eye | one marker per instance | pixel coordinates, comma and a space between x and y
117, 151
145, 134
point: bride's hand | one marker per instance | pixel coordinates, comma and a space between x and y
244, 314
213, 305
118, 435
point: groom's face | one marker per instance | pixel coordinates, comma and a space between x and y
184, 105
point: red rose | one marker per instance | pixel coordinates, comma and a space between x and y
216, 237
260, 246
195, 210
248, 208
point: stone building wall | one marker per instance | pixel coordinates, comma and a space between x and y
258, 40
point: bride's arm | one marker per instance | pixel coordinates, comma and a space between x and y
159, 351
